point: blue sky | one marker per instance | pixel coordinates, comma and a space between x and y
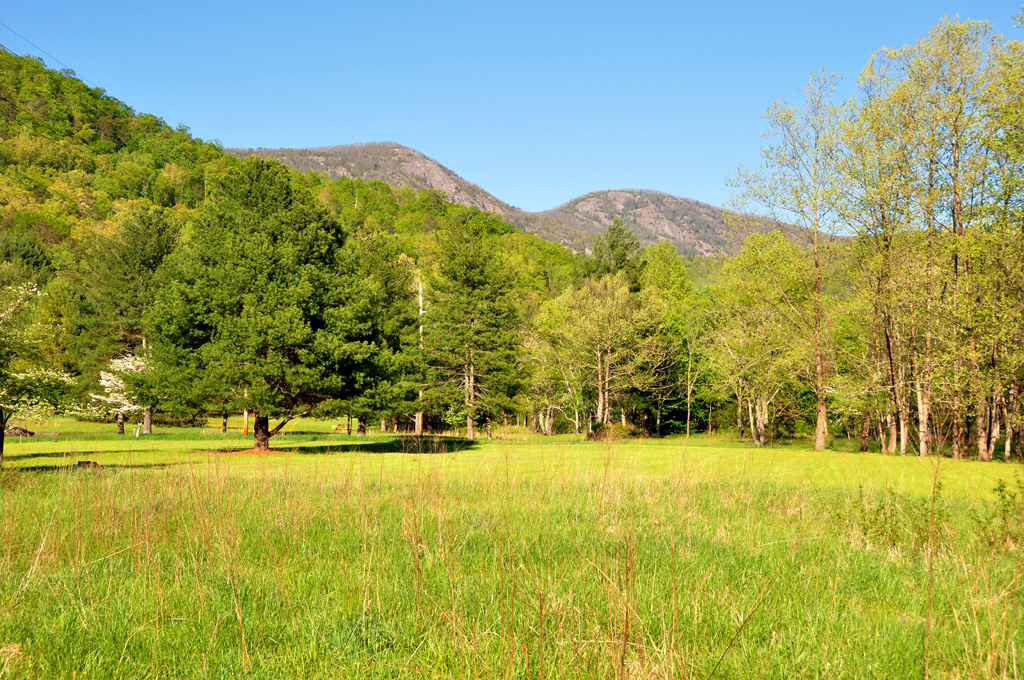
535, 102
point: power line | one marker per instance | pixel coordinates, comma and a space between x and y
45, 52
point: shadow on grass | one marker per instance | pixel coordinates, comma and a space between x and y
405, 444
95, 467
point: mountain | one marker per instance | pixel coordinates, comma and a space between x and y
694, 227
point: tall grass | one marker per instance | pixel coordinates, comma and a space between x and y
476, 564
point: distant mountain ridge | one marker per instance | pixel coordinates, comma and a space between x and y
694, 227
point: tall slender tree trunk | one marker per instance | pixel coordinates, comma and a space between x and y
470, 392
821, 426
419, 414
957, 442
981, 406
865, 433
4, 416
1008, 437
261, 433
120, 423
224, 423
689, 400
924, 405
739, 413
760, 422
147, 420
754, 420
607, 392
890, 420
897, 424
1013, 428
903, 433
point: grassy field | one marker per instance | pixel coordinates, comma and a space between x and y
526, 557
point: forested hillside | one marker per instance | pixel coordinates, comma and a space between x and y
149, 275
694, 228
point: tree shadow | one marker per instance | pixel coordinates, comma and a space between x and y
93, 468
402, 444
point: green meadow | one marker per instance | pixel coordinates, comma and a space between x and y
183, 555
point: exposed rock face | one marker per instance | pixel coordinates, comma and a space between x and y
695, 228
392, 163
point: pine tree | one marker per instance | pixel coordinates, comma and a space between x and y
471, 328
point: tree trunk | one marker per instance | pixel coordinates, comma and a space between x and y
120, 423
4, 416
760, 423
739, 414
470, 394
865, 433
981, 431
261, 430
897, 423
360, 427
821, 426
956, 439
1013, 428
224, 423
348, 425
147, 420
903, 432
753, 429
924, 406
689, 400
489, 427
891, 421
1008, 437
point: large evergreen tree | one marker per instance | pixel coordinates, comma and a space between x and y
471, 329
258, 311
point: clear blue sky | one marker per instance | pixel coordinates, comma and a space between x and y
537, 102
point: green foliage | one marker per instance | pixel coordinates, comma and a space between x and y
471, 329
263, 307
616, 251
23, 259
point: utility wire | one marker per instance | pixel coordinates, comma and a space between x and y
45, 52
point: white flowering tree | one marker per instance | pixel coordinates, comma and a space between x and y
118, 398
27, 390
